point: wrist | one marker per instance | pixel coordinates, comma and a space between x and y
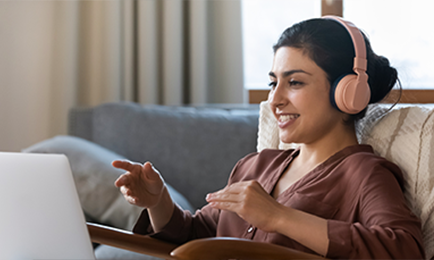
162, 198
161, 213
280, 218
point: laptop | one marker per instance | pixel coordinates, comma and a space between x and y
40, 212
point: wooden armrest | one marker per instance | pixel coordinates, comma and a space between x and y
207, 248
235, 248
130, 241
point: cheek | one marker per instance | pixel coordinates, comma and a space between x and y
322, 98
308, 101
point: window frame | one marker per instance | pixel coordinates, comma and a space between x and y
335, 7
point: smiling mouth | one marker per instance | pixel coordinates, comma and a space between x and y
286, 118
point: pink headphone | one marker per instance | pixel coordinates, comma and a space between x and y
351, 93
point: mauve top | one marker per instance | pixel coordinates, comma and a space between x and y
359, 193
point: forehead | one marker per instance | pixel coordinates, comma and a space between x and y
290, 58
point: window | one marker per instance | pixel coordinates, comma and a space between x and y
263, 22
398, 29
401, 31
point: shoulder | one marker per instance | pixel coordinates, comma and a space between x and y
367, 167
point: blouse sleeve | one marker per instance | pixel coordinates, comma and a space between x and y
387, 229
182, 226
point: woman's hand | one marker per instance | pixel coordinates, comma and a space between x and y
141, 185
251, 202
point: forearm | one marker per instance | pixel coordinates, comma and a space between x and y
161, 213
307, 229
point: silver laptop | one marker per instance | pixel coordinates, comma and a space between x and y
40, 212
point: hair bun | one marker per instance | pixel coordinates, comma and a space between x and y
382, 77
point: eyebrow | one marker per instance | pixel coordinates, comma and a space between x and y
288, 73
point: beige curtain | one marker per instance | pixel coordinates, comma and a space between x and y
189, 51
61, 54
168, 52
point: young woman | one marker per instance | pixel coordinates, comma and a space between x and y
331, 196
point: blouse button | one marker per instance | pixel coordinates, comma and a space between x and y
250, 229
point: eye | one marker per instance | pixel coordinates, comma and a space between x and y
295, 83
272, 84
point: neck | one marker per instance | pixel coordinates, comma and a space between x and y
317, 152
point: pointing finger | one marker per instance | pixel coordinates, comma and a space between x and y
125, 165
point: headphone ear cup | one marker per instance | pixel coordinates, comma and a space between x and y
333, 92
350, 95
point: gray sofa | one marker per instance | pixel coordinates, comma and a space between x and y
194, 148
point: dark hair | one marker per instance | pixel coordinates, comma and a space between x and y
330, 46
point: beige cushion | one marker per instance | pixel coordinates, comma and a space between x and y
268, 132
404, 136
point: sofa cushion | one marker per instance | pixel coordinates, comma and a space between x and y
404, 136
94, 178
195, 149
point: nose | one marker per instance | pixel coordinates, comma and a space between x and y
277, 97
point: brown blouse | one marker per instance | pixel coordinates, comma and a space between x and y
359, 193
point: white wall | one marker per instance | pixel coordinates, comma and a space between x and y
47, 67
25, 72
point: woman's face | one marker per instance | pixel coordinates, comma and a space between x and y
299, 98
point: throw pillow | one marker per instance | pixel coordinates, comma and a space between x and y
94, 178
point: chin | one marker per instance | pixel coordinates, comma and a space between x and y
286, 139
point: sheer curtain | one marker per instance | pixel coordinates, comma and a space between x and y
84, 53
169, 52
188, 51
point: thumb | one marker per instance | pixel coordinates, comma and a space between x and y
154, 180
150, 172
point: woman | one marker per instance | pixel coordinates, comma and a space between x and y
331, 196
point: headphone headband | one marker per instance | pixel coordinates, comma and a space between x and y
360, 61
351, 93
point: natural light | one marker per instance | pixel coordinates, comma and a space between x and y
263, 22
398, 29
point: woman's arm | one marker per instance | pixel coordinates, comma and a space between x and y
251, 202
143, 186
305, 228
385, 227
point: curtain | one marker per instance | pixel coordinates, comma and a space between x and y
84, 53
169, 52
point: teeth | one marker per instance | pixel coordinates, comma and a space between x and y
285, 118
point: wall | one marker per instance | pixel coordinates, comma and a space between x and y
55, 55
25, 72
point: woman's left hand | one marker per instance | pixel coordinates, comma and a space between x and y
251, 202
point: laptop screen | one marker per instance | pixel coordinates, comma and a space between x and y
41, 216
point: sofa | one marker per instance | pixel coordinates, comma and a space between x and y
195, 149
